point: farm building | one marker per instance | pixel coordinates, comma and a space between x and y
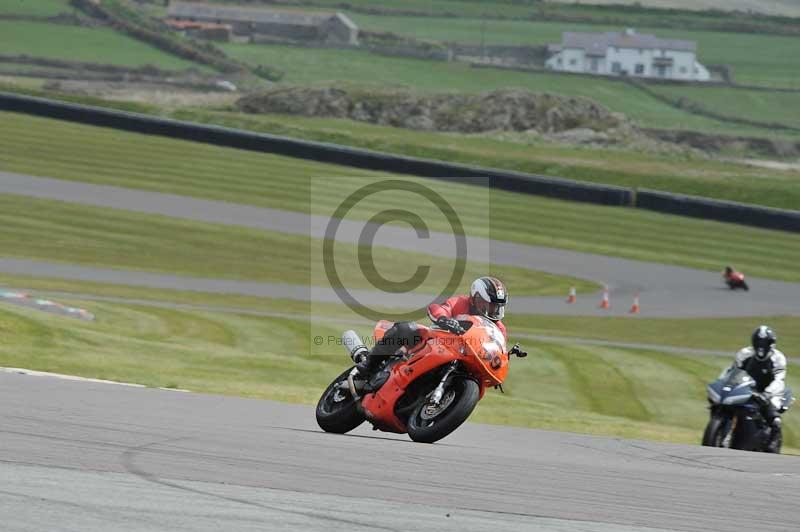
627, 53
204, 30
274, 23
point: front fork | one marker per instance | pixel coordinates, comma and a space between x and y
438, 393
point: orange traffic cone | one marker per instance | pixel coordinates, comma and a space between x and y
635, 306
573, 297
605, 303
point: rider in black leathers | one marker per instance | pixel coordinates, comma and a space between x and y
767, 366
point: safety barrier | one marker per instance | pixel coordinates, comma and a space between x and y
723, 211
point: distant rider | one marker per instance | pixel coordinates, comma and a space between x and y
767, 366
487, 297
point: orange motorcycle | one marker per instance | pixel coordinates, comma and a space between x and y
427, 391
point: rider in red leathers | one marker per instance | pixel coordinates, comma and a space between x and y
487, 298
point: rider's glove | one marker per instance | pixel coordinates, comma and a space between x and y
760, 398
450, 324
516, 350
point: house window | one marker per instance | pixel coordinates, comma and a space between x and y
683, 70
639, 68
573, 62
616, 67
559, 62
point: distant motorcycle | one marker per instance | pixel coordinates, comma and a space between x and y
429, 392
736, 417
735, 280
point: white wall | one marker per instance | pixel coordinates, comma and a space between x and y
684, 65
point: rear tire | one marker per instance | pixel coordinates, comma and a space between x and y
427, 426
337, 411
716, 431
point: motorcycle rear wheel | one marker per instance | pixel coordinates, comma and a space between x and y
337, 410
428, 424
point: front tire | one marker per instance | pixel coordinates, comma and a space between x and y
716, 431
337, 410
428, 424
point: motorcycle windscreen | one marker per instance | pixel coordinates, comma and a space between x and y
734, 377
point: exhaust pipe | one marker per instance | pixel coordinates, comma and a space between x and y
354, 346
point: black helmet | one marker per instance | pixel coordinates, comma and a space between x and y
763, 340
489, 297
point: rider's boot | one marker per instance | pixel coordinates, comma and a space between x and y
775, 437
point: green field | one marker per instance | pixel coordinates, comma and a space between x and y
57, 149
97, 45
771, 107
757, 59
39, 8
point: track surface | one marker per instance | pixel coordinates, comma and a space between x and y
97, 457
667, 291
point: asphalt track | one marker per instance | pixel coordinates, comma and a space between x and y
82, 456
666, 291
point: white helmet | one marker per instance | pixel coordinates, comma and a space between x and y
488, 296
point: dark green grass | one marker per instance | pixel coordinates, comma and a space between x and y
40, 8
761, 106
98, 45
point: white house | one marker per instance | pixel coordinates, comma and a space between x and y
627, 53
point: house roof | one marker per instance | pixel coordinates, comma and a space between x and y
248, 14
597, 43
185, 24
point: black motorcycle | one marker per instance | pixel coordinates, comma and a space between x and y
736, 420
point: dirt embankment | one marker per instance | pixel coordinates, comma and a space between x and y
501, 110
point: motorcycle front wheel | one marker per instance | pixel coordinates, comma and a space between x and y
337, 410
717, 430
429, 423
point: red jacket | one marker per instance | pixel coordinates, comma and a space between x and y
455, 306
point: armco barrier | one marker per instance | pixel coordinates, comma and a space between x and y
723, 211
318, 151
